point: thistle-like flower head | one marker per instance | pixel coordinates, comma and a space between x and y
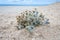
29, 18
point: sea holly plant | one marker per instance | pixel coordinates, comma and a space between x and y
30, 20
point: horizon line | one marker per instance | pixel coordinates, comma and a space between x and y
25, 4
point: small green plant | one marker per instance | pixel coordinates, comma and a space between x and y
30, 20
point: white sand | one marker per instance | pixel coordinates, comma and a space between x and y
8, 30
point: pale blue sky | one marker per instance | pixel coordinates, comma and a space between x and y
28, 1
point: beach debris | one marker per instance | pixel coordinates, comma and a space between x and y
31, 19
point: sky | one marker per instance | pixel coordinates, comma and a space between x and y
21, 2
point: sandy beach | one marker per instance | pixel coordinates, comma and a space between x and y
8, 30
